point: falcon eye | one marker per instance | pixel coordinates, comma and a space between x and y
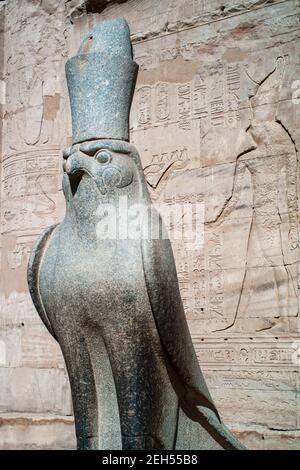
103, 156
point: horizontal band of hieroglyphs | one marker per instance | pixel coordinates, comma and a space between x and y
216, 98
22, 173
244, 353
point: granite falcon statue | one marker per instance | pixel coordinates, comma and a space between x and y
113, 302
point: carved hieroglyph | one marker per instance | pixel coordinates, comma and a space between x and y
204, 66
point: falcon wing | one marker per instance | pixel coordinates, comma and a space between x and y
33, 275
164, 295
168, 312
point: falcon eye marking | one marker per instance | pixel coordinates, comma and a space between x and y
102, 156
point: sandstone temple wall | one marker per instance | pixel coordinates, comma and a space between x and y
216, 117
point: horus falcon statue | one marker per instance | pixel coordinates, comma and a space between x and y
112, 301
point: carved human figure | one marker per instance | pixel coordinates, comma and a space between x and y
272, 167
113, 303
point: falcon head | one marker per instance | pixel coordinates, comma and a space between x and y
101, 167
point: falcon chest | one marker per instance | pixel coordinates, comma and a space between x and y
94, 279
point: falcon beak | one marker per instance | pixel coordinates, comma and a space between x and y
75, 179
76, 166
75, 172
